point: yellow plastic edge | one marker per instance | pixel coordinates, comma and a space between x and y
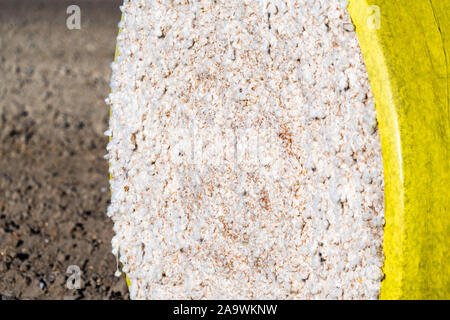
407, 61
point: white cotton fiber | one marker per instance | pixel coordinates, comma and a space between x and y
244, 153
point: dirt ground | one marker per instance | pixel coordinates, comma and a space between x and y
54, 187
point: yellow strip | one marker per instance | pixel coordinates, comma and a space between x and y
407, 60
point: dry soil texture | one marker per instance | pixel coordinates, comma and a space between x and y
53, 178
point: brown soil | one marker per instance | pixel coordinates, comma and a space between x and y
53, 179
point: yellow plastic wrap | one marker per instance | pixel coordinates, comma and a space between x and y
407, 61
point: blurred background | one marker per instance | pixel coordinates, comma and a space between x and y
54, 187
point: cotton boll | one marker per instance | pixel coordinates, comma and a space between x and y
343, 82
374, 273
343, 3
